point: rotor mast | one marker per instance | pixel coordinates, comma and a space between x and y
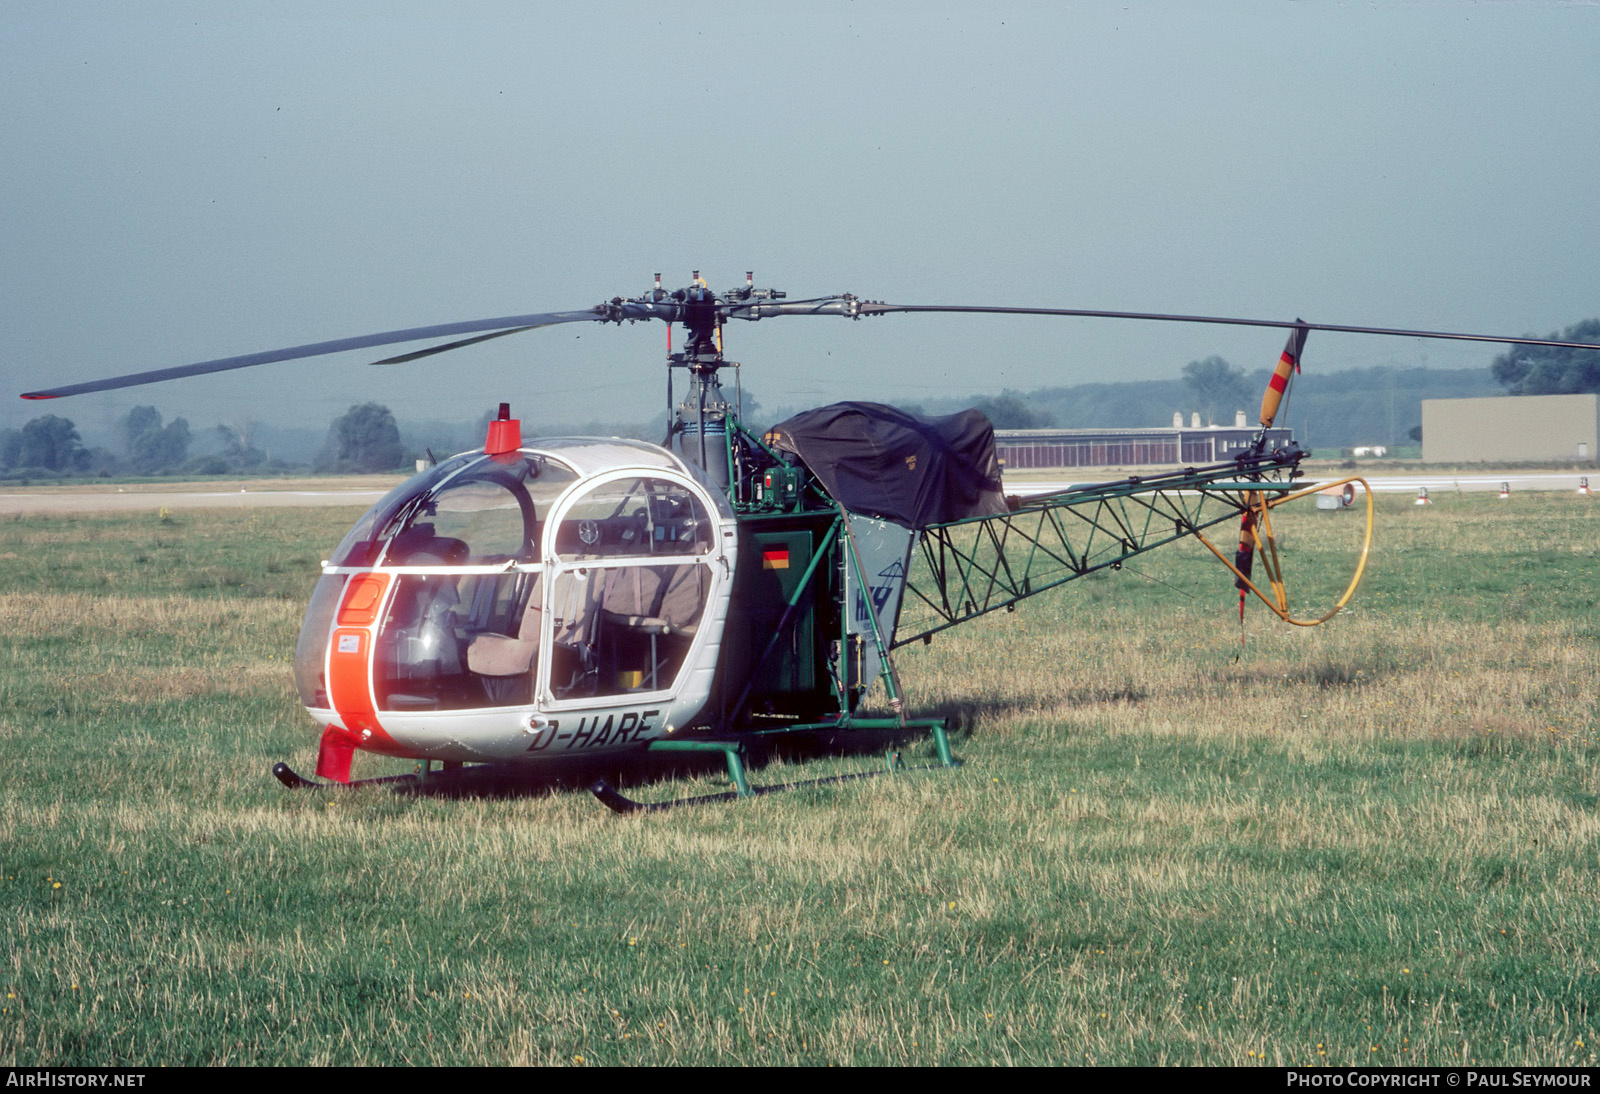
698, 426
700, 422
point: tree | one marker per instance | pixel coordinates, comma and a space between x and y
137, 422
1552, 370
1008, 411
238, 453
51, 443
364, 438
153, 447
1216, 387
751, 412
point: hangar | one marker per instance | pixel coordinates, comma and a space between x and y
1511, 427
1175, 446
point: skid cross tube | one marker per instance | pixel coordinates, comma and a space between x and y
734, 750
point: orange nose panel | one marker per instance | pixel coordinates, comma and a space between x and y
350, 652
362, 598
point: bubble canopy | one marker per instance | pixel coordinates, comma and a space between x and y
577, 570
487, 506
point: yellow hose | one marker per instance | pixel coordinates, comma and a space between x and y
1267, 547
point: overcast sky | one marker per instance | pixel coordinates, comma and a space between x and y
183, 184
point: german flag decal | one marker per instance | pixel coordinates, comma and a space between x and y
775, 558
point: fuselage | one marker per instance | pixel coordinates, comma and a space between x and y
552, 600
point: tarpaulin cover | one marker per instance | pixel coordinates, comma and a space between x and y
882, 462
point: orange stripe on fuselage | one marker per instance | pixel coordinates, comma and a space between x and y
350, 652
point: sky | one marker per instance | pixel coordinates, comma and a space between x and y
197, 180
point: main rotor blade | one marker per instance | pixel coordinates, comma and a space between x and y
317, 349
417, 355
870, 308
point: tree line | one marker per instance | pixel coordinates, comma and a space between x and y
365, 438
1377, 405
1552, 370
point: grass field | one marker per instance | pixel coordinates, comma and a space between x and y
1372, 842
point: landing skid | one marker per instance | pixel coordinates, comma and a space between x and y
734, 752
451, 779
617, 803
295, 781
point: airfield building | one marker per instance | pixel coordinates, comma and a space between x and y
1561, 428
1175, 446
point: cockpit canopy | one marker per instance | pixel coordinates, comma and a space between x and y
475, 509
581, 560
469, 509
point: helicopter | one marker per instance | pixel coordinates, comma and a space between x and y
530, 601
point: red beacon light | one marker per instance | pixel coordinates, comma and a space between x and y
505, 434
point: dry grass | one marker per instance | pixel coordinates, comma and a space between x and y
1373, 842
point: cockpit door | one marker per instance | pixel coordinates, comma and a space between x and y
635, 568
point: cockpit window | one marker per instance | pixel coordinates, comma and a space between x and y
360, 545
634, 517
491, 512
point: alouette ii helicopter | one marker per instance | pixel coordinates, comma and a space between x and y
592, 596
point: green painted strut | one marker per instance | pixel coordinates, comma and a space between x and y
732, 751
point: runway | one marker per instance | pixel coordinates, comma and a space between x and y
1534, 482
1442, 483
105, 499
